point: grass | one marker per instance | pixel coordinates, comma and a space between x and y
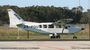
12, 34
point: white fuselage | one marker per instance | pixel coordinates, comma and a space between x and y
49, 28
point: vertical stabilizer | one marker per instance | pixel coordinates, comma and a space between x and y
14, 18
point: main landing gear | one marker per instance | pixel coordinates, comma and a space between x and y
54, 35
74, 37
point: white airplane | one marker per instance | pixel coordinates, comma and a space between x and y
52, 29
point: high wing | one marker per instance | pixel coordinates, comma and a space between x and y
63, 21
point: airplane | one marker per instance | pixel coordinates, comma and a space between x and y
54, 29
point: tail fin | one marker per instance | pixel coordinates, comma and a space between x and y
14, 18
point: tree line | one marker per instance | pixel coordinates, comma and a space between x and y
45, 14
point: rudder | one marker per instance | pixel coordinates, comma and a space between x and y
14, 18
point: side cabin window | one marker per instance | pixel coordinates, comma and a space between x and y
40, 26
66, 27
44, 26
51, 26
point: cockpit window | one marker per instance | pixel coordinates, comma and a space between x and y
66, 27
51, 26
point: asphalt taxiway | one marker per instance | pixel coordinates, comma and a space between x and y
44, 45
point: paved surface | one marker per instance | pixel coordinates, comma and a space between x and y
45, 45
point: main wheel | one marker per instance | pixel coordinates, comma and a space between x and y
54, 36
51, 36
74, 37
58, 36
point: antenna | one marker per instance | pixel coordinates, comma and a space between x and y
79, 2
88, 4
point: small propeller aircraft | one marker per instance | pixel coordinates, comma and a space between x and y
54, 29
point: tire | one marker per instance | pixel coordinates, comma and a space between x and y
74, 37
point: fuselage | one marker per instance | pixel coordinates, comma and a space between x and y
49, 27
